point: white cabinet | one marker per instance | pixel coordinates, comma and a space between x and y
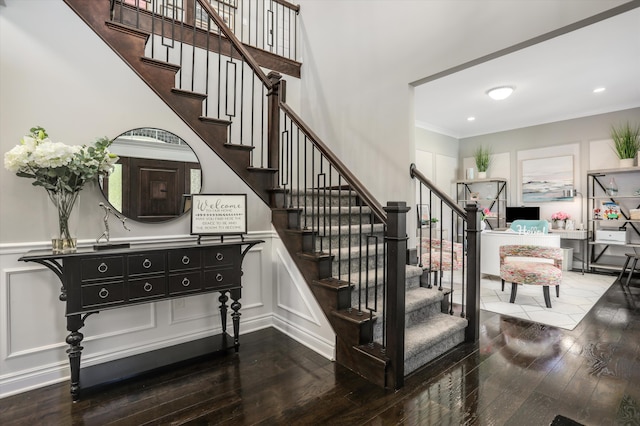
613, 196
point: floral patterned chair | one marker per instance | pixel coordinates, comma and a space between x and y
437, 255
518, 271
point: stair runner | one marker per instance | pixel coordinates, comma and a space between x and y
429, 332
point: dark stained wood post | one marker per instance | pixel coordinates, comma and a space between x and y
273, 125
394, 310
472, 333
189, 11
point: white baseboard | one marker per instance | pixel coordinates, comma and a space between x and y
314, 342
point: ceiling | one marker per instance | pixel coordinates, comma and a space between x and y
554, 81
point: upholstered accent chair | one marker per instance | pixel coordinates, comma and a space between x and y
518, 267
439, 255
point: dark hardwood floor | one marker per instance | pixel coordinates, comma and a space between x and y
521, 373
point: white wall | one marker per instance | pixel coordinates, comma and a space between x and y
56, 73
360, 58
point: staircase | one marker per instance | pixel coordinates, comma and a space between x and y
350, 250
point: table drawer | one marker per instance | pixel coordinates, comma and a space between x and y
102, 294
146, 263
146, 288
222, 278
184, 259
102, 267
186, 282
221, 256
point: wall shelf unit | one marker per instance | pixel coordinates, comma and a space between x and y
487, 193
612, 194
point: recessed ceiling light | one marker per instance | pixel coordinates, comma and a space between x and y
500, 93
471, 118
599, 89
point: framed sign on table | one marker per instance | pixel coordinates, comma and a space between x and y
218, 214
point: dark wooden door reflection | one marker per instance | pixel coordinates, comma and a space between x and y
156, 190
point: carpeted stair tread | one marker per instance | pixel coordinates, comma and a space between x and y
419, 297
343, 230
421, 336
412, 279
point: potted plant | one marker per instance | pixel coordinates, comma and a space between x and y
626, 140
482, 156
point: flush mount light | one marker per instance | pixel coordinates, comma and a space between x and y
500, 93
471, 118
599, 89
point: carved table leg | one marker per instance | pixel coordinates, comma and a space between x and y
223, 310
74, 323
235, 316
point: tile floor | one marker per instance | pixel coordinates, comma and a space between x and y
578, 294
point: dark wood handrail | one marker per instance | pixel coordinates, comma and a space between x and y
356, 185
237, 44
288, 5
415, 173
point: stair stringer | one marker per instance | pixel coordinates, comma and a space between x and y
129, 44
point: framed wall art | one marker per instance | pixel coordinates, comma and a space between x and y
547, 179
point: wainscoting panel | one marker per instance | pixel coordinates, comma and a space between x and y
33, 328
296, 312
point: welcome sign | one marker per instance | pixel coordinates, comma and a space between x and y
219, 214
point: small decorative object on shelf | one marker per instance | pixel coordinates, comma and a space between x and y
610, 210
62, 170
626, 140
482, 157
612, 187
558, 219
486, 213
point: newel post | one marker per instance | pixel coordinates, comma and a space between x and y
394, 310
273, 122
472, 333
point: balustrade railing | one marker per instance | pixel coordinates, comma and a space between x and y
270, 25
449, 254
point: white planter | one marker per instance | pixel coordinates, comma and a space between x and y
482, 175
626, 162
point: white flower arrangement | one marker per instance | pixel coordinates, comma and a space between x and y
57, 166
62, 170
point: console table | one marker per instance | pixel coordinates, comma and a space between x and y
109, 279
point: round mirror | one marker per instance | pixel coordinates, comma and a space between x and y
155, 176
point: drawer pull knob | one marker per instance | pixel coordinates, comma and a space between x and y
146, 264
147, 287
185, 260
102, 268
103, 293
219, 277
186, 282
219, 256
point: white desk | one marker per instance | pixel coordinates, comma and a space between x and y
491, 241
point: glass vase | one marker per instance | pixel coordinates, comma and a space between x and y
64, 219
612, 187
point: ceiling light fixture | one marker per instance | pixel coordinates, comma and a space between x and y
471, 118
599, 89
500, 93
